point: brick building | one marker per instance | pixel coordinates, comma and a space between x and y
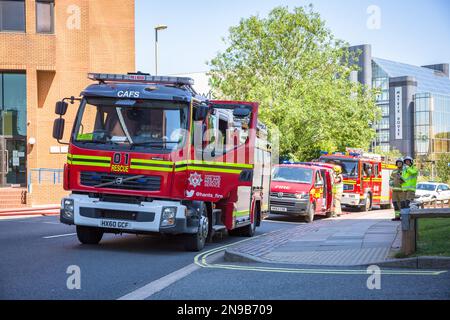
47, 47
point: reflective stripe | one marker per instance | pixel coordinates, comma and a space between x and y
90, 164
151, 168
85, 157
223, 167
242, 213
151, 165
211, 163
90, 161
168, 163
211, 169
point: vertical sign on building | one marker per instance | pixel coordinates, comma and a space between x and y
398, 113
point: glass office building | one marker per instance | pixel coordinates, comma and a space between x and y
414, 103
431, 125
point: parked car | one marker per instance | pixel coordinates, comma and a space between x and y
428, 191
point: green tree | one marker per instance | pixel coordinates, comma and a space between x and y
299, 73
391, 155
443, 169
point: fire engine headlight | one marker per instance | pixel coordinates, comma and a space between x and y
168, 216
302, 196
68, 207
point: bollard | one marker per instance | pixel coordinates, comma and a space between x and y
408, 232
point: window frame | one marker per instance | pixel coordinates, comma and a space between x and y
24, 19
52, 16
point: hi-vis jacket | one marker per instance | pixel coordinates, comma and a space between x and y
409, 176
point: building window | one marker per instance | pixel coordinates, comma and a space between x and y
45, 13
383, 124
12, 15
13, 105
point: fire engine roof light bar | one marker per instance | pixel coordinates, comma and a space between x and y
142, 78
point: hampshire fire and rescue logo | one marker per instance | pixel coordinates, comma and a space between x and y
195, 179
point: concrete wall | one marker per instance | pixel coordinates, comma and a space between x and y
408, 87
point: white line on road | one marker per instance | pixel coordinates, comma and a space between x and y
60, 235
160, 284
285, 222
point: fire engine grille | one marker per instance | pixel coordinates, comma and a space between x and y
282, 203
122, 182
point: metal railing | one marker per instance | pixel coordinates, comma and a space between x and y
43, 175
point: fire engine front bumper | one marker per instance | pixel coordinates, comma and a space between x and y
147, 217
351, 199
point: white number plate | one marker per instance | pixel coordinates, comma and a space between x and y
114, 224
279, 209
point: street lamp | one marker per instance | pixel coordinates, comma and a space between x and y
157, 28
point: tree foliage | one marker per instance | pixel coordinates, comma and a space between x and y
391, 156
443, 169
292, 65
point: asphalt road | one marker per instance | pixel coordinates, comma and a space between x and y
36, 252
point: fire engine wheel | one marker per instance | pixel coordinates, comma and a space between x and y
367, 206
89, 235
309, 218
196, 242
249, 230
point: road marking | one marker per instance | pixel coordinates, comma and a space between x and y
160, 284
60, 236
201, 261
284, 222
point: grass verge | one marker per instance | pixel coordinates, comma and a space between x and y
433, 237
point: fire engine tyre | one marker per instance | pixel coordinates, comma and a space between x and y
386, 206
309, 218
196, 242
89, 235
367, 206
248, 231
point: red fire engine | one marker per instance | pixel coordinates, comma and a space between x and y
366, 179
148, 155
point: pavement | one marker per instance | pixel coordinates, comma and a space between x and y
355, 239
41, 210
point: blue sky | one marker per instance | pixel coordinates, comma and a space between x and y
411, 31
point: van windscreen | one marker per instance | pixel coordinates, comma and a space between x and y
292, 174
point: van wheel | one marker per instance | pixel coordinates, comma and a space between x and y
196, 242
311, 212
89, 235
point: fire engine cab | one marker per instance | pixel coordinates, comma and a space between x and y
366, 178
149, 155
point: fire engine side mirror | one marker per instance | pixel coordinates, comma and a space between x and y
61, 108
201, 112
58, 128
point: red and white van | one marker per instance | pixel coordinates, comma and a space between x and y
302, 189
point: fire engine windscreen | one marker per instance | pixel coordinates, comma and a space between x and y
132, 123
349, 167
292, 174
